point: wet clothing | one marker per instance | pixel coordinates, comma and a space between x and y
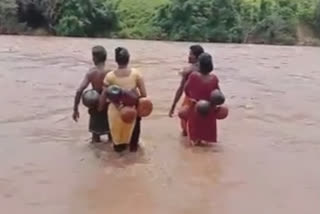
201, 128
134, 142
98, 122
186, 100
121, 132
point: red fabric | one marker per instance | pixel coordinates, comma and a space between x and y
201, 128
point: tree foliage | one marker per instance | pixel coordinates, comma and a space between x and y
9, 17
87, 18
46, 12
265, 21
255, 21
317, 18
199, 20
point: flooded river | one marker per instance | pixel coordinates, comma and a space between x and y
267, 160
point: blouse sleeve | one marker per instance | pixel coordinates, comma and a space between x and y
108, 79
138, 75
217, 81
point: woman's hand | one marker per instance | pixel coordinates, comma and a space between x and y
119, 106
76, 115
171, 112
141, 86
193, 100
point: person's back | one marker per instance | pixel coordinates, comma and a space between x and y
202, 85
98, 124
96, 77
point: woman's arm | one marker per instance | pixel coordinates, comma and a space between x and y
178, 94
141, 86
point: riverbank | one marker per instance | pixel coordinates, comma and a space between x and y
305, 38
285, 22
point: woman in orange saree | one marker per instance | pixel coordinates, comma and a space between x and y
195, 52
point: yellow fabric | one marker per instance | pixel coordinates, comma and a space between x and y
128, 82
121, 132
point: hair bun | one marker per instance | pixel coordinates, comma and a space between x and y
118, 50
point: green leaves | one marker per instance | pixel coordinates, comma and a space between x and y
316, 22
261, 21
200, 20
87, 18
9, 17
257, 21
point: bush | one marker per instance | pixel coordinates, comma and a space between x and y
199, 20
257, 21
136, 18
8, 17
274, 29
87, 18
306, 10
317, 18
268, 21
38, 13
225, 22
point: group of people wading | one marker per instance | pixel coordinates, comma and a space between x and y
197, 83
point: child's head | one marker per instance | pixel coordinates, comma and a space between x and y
122, 56
205, 63
99, 55
195, 52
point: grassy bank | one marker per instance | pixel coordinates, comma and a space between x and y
238, 21
135, 17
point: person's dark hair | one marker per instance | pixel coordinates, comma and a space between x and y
197, 50
99, 54
122, 56
205, 63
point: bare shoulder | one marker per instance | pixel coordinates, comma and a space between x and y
186, 71
136, 71
91, 72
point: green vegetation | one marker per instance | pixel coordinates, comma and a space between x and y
316, 22
87, 18
135, 17
8, 17
260, 21
239, 21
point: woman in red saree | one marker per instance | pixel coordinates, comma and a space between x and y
199, 87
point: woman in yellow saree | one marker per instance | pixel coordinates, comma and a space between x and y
128, 79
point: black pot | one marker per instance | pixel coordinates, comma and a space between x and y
90, 98
203, 107
114, 93
217, 98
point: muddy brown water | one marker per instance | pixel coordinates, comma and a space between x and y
267, 160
